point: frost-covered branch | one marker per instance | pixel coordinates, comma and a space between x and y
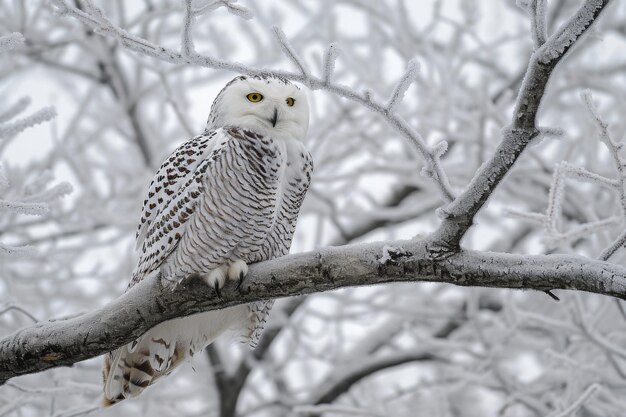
33, 199
230, 5
8, 130
618, 243
65, 342
536, 10
552, 218
187, 48
291, 53
346, 378
405, 82
458, 215
614, 147
589, 392
329, 63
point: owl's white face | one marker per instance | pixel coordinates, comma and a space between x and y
266, 105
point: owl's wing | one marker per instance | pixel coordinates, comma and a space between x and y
170, 177
173, 199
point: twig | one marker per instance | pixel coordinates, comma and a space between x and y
403, 84
9, 130
290, 53
613, 247
589, 392
613, 146
536, 10
329, 63
186, 43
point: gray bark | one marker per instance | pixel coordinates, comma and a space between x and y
64, 342
459, 214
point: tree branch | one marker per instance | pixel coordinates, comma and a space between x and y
458, 215
343, 379
64, 342
341, 383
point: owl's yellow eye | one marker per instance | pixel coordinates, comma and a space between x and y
290, 101
255, 97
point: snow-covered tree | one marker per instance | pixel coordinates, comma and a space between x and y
455, 142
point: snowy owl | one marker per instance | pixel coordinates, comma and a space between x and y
224, 199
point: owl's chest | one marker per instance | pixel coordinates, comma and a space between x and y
271, 169
241, 189
294, 181
278, 176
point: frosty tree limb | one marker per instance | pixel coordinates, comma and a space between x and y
403, 85
538, 20
186, 43
9, 130
613, 146
290, 52
564, 170
458, 215
536, 10
64, 342
343, 379
329, 63
341, 383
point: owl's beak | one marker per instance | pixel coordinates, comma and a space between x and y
274, 118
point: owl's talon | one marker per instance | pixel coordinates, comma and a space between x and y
241, 277
237, 270
216, 279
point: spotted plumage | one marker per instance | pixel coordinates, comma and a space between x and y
224, 199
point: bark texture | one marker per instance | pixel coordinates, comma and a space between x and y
64, 342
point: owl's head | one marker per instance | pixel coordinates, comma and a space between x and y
265, 104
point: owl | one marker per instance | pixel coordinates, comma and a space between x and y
223, 200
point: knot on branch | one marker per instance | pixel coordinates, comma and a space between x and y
439, 250
518, 137
391, 254
393, 260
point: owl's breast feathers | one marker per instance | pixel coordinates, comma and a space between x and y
229, 193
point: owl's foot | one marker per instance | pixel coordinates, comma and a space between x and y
237, 271
234, 271
217, 279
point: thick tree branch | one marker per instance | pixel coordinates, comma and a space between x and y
458, 215
64, 342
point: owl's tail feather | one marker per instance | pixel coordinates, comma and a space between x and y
130, 369
126, 374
